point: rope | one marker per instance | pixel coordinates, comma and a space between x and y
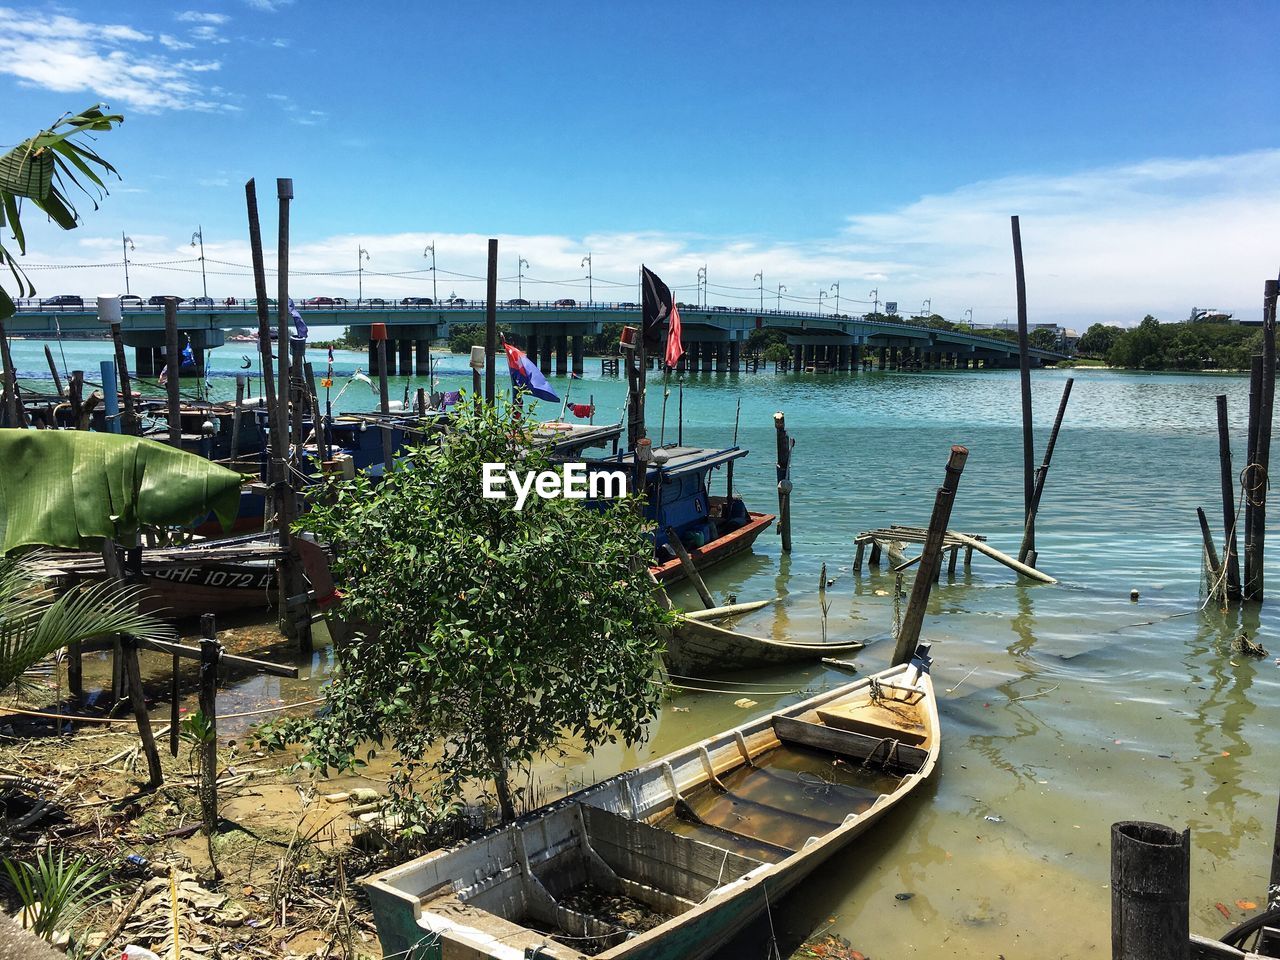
73, 718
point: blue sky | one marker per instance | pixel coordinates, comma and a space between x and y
874, 145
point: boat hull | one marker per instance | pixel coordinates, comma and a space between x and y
697, 646
722, 548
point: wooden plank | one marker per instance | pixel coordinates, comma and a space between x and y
1007, 560
845, 742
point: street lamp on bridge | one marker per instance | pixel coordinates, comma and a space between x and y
836, 287
781, 291
521, 263
126, 244
586, 262
361, 256
926, 308
821, 294
702, 284
969, 313
198, 237
760, 276
875, 296
431, 249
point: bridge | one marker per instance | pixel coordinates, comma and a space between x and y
552, 333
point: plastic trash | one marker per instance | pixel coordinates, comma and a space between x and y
134, 952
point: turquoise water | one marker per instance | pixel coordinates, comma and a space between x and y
1070, 706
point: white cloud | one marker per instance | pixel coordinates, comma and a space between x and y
115, 62
208, 34
195, 16
268, 6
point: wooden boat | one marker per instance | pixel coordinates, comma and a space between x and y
697, 646
694, 845
733, 542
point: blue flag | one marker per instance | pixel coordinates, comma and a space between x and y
526, 376
188, 358
298, 323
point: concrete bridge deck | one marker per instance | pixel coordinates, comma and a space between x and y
713, 336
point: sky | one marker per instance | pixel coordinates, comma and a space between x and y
826, 148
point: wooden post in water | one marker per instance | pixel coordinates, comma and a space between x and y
1251, 449
690, 571
235, 417
378, 332
784, 480
1150, 891
930, 557
173, 360
1260, 463
1029, 530
75, 397
13, 405
491, 324
1230, 546
129, 420
1217, 585
210, 654
1028, 550
264, 316
53, 369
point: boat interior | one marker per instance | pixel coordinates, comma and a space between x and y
632, 853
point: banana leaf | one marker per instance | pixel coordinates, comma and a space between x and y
60, 488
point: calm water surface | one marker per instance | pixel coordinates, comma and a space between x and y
1064, 707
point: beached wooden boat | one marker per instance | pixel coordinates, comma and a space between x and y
668, 861
697, 646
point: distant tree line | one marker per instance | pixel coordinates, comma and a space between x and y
1152, 345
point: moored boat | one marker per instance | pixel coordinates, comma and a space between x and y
692, 846
697, 646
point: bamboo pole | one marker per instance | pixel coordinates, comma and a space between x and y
1255, 542
691, 571
264, 316
1029, 530
1251, 449
129, 421
173, 360
1024, 378
784, 480
210, 653
490, 324
53, 369
1230, 546
931, 556
1216, 585
989, 551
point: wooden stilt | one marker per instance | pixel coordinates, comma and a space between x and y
53, 369
1254, 546
1024, 377
173, 360
491, 324
1216, 584
1230, 545
874, 559
175, 721
1029, 532
235, 417
951, 561
909, 635
133, 675
1150, 890
857, 556
785, 445
210, 654
129, 418
691, 571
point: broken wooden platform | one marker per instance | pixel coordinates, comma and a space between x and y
952, 543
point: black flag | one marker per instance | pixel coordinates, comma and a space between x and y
657, 306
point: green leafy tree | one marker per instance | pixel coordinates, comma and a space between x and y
44, 169
1098, 340
1043, 339
483, 636
776, 352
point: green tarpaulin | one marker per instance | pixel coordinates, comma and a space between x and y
60, 487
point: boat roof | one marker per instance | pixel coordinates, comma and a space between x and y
556, 433
680, 460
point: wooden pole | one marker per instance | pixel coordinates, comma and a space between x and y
175, 720
1273, 888
16, 416
691, 571
784, 480
1216, 585
1150, 892
235, 417
384, 399
970, 544
210, 653
1024, 375
1029, 530
491, 325
173, 360
75, 397
1251, 449
284, 194
264, 316
133, 675
1230, 546
53, 369
129, 421
931, 557
1258, 468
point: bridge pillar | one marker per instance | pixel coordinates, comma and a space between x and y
422, 361
722, 356
142, 362
158, 359
577, 354
735, 351
562, 354
406, 355
884, 352
531, 345
708, 356
374, 368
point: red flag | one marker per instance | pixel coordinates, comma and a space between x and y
674, 347
582, 411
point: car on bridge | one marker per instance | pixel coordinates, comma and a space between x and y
376, 302
158, 300
320, 302
417, 302
636, 305
130, 300
63, 300
517, 303
200, 302
458, 301
566, 302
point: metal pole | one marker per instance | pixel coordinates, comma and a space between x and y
125, 243
199, 236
